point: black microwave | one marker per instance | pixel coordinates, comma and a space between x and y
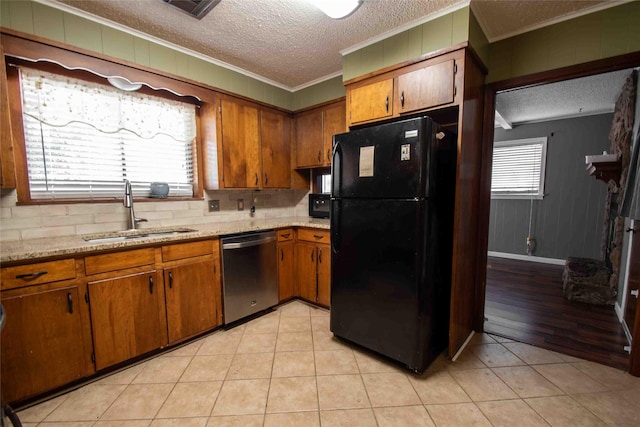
319, 205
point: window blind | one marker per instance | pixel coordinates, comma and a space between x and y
83, 139
518, 167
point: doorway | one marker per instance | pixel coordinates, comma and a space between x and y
524, 299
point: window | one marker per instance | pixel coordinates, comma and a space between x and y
518, 168
83, 139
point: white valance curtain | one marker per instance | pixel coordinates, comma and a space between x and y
143, 115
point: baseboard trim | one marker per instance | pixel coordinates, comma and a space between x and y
462, 347
519, 257
619, 312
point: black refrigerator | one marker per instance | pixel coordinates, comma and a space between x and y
392, 202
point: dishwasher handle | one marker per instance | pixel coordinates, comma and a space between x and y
248, 243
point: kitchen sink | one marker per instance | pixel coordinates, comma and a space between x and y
122, 236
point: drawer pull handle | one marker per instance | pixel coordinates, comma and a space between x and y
256, 178
70, 302
320, 256
286, 235
318, 236
328, 155
281, 255
312, 254
319, 155
386, 104
151, 285
402, 99
170, 280
266, 179
31, 276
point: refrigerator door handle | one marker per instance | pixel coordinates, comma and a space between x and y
336, 168
335, 226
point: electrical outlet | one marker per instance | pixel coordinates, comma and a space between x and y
240, 204
214, 205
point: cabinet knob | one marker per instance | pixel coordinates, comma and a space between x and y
631, 230
402, 99
151, 285
170, 280
386, 103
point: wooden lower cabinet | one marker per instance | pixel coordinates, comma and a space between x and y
190, 291
286, 264
306, 270
126, 317
324, 275
313, 270
44, 344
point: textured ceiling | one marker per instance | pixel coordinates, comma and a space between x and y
504, 18
291, 42
570, 98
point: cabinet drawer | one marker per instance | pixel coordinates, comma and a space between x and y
34, 274
186, 250
313, 235
118, 261
285, 235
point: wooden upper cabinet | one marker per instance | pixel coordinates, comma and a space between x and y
425, 88
276, 149
314, 134
371, 102
309, 141
240, 145
334, 123
7, 165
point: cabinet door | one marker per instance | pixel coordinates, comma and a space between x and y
306, 271
7, 166
425, 88
324, 275
276, 152
286, 270
240, 145
334, 122
190, 292
42, 346
125, 317
309, 141
370, 102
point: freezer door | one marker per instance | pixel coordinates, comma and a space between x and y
386, 161
383, 273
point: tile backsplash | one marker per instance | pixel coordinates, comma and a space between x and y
37, 221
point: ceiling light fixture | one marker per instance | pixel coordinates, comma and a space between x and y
123, 84
337, 9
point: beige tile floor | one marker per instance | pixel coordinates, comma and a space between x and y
286, 369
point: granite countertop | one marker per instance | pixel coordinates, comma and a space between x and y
34, 249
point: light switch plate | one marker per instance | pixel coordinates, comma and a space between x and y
214, 205
240, 204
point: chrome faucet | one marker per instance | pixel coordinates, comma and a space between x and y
128, 203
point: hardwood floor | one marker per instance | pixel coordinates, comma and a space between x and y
524, 302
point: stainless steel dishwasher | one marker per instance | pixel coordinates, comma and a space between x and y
249, 274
